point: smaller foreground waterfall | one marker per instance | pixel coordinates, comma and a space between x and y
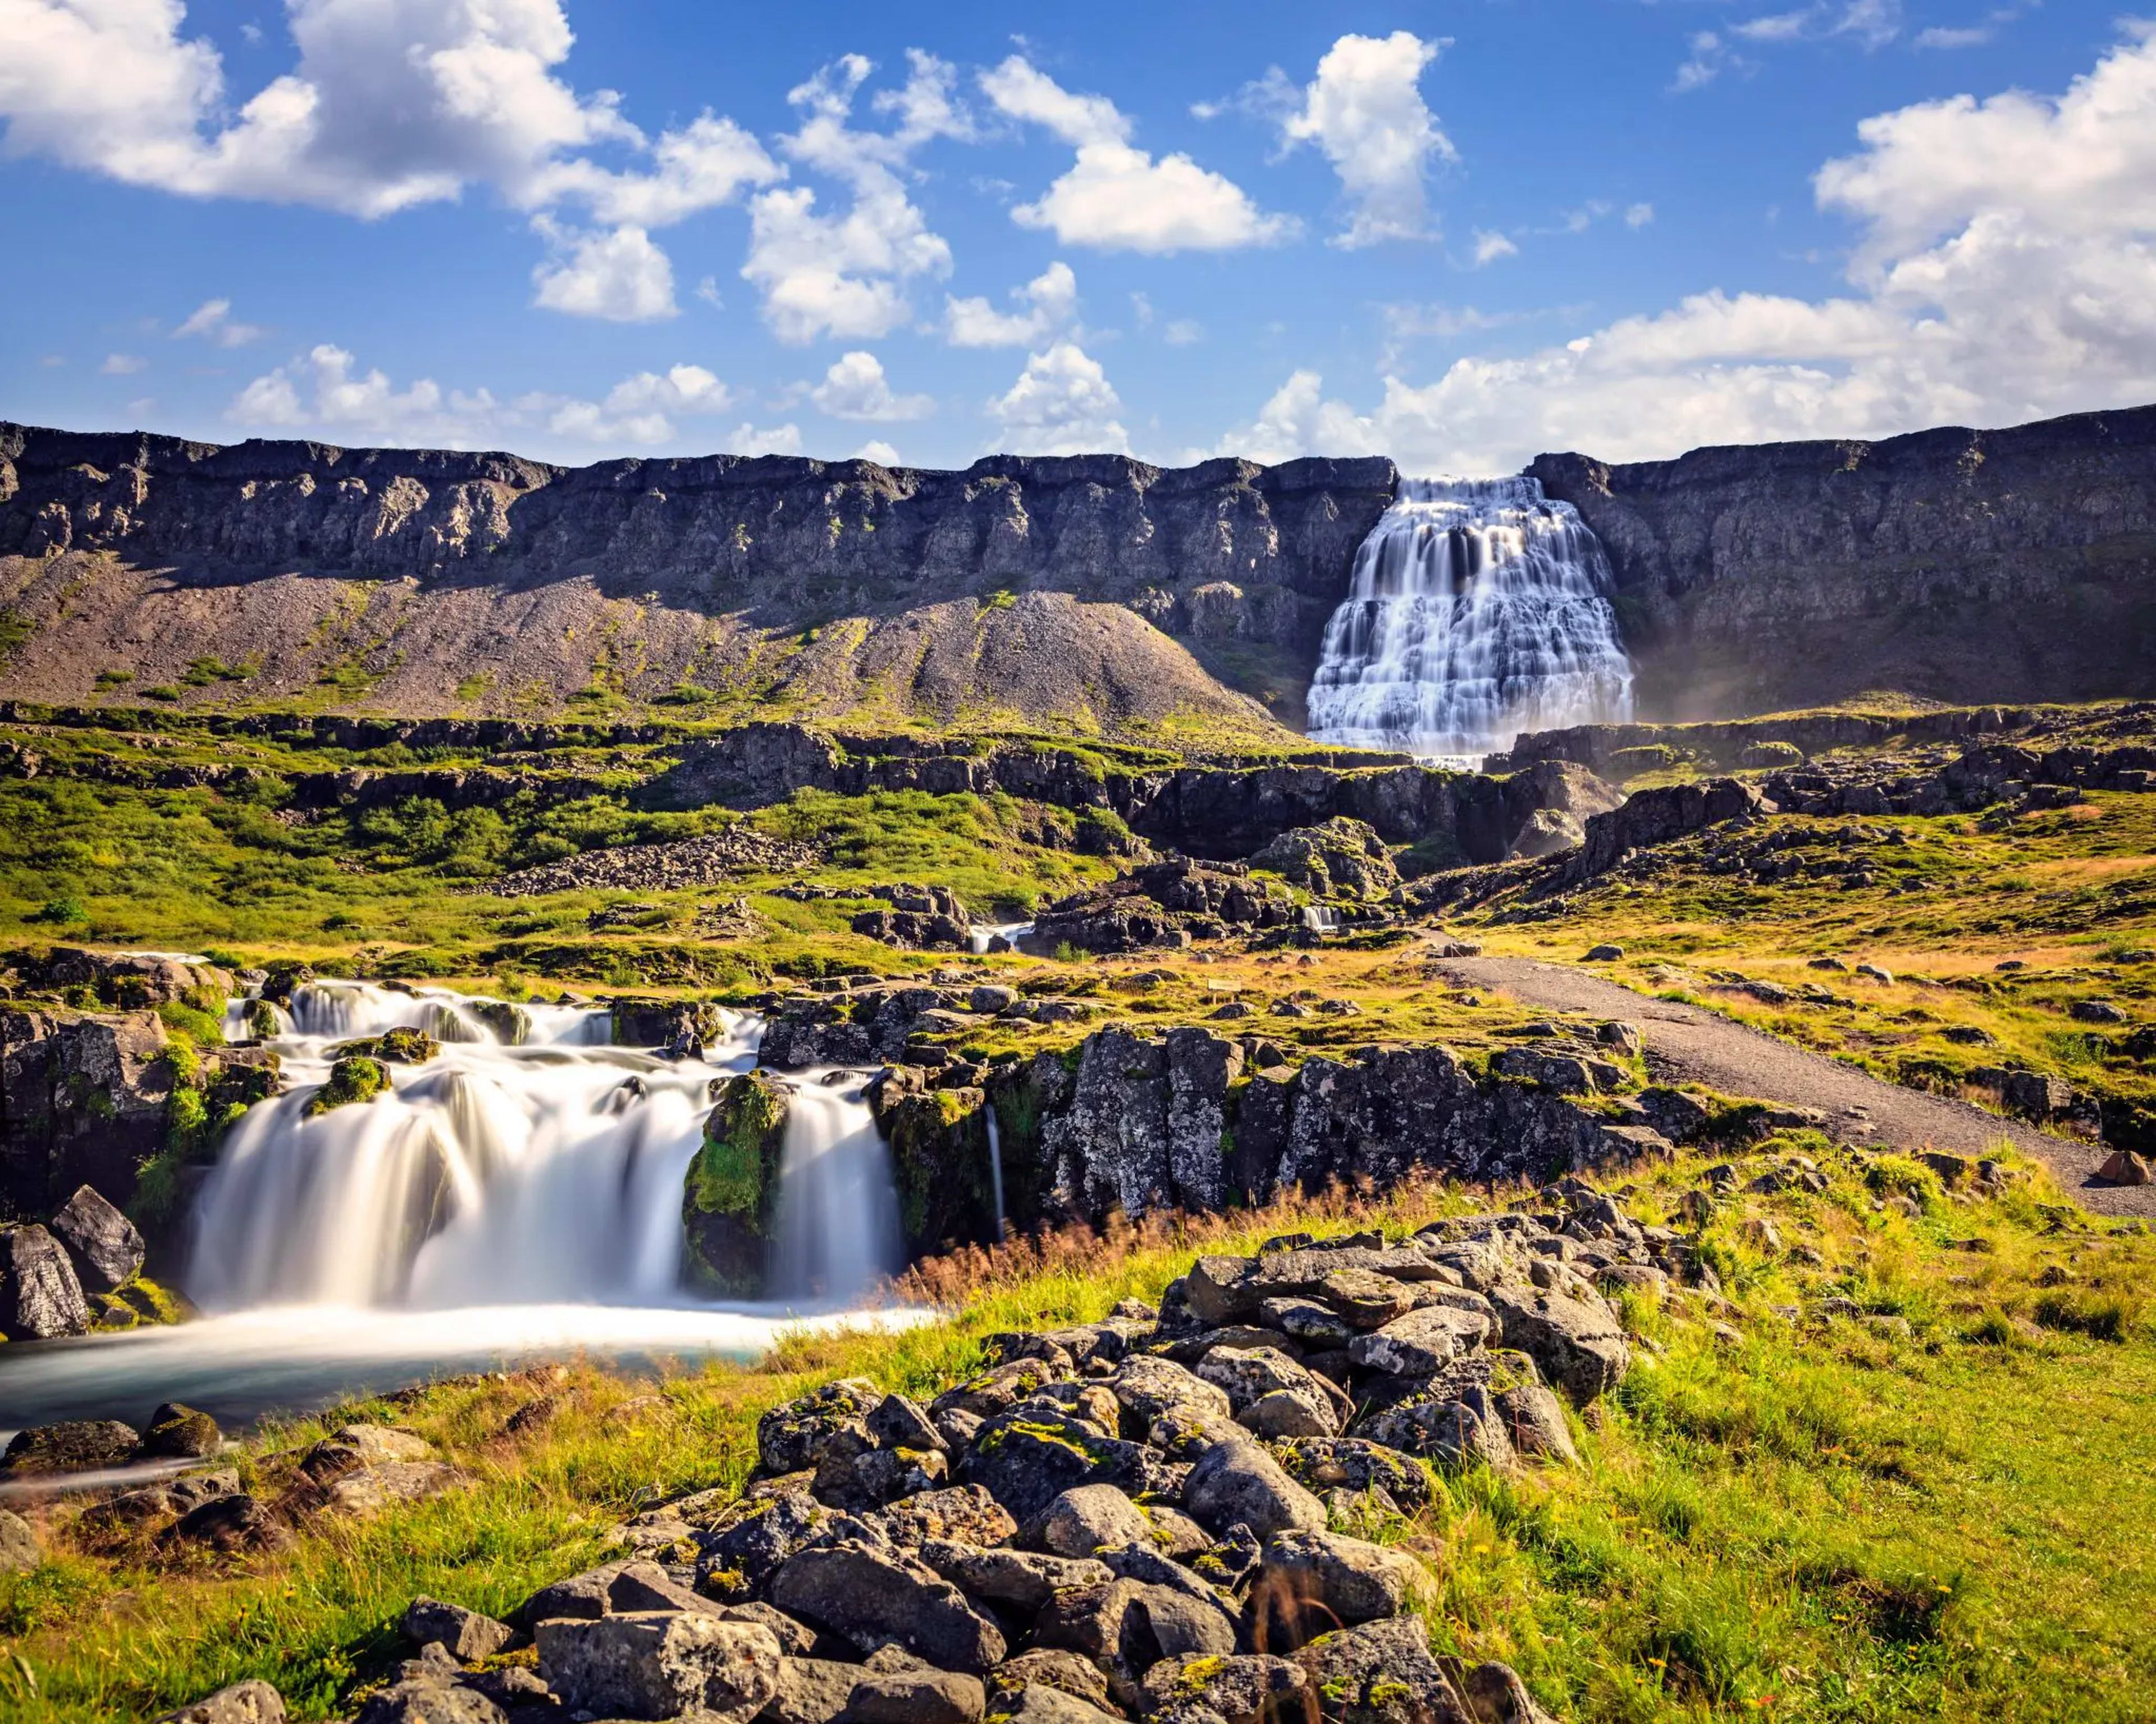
838, 1216
492, 1174
1477, 608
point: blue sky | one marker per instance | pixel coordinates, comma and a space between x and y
1457, 234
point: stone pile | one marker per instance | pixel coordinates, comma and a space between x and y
711, 859
926, 918
1153, 1516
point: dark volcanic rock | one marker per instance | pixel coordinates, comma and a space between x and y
40, 1298
107, 1251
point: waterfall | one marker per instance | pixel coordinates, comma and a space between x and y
995, 1170
985, 937
543, 1170
1476, 608
838, 1231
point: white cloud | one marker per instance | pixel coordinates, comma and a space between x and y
1710, 57
747, 440
1365, 110
123, 364
845, 275
1489, 247
213, 321
390, 104
1943, 36
1062, 404
877, 451
2005, 270
1873, 23
638, 410
324, 391
620, 276
1116, 197
1639, 215
854, 387
1183, 332
1048, 302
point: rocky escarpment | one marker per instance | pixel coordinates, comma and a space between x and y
1203, 1117
1224, 811
1962, 565
1040, 586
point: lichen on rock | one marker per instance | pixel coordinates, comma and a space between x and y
731, 1189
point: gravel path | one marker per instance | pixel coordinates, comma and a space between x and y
1687, 1043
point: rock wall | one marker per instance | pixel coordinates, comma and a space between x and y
653, 568
1209, 811
1959, 565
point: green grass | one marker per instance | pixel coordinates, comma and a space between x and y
1815, 1522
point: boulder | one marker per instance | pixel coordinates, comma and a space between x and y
1149, 1386
229, 1524
180, 1432
40, 1296
872, 1597
1533, 1419
660, 1664
106, 1250
1020, 1580
1039, 1704
1382, 1673
1453, 1430
811, 1690
1421, 1343
1343, 1580
965, 1512
465, 1634
916, 1697
1354, 1463
1498, 1696
1029, 1456
1242, 1690
797, 1436
1049, 1667
251, 1703
18, 1543
1240, 1483
1092, 1517
1342, 857
74, 1445
1578, 1343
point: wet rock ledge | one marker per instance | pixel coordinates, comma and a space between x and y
1196, 1514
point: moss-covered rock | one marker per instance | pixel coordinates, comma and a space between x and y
512, 1024
731, 1192
283, 980
939, 1158
399, 1047
262, 1020
353, 1080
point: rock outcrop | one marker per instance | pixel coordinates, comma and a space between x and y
1962, 565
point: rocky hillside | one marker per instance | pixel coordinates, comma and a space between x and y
1096, 591
1958, 565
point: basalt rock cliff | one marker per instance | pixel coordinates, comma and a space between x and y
1094, 588
1967, 566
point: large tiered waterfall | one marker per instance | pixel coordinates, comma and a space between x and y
1477, 608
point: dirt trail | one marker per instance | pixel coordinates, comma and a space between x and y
1686, 1043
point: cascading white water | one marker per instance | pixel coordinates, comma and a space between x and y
1478, 608
985, 937
490, 1174
837, 1226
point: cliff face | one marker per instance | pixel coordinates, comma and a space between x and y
418, 570
1960, 565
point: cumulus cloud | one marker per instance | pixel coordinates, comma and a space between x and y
1062, 404
877, 451
1365, 110
747, 440
854, 387
325, 390
1639, 215
123, 364
391, 103
213, 321
1045, 304
1115, 196
845, 275
2005, 270
619, 275
1183, 332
